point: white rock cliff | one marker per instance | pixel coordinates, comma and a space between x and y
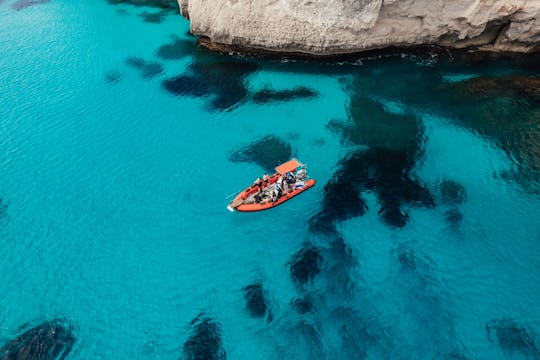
333, 27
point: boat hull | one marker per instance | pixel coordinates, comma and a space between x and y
286, 197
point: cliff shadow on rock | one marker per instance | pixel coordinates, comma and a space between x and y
51, 340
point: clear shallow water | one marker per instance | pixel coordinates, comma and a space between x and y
113, 195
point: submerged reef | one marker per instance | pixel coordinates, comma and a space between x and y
267, 96
371, 124
454, 217
224, 81
305, 264
503, 109
452, 192
257, 300
424, 303
51, 340
162, 4
113, 77
387, 173
164, 8
177, 49
302, 305
204, 341
268, 152
149, 70
23, 4
513, 338
394, 143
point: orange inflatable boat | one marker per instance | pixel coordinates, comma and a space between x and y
289, 180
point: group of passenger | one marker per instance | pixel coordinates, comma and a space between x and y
271, 192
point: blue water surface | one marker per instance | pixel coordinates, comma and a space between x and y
116, 138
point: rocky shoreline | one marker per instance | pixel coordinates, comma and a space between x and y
294, 29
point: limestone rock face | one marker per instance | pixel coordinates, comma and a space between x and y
331, 27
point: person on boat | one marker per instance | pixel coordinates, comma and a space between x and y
258, 183
289, 178
265, 178
282, 182
301, 174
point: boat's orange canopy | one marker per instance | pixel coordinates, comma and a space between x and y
289, 166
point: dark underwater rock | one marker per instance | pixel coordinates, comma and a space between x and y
204, 342
52, 340
187, 85
154, 17
453, 216
224, 80
361, 334
342, 201
257, 303
113, 77
513, 338
268, 152
148, 70
178, 49
23, 4
385, 172
318, 142
302, 306
267, 95
370, 124
527, 86
3, 209
406, 258
452, 192
305, 264
162, 4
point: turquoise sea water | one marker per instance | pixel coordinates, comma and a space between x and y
117, 152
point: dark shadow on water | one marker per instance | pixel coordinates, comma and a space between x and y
51, 340
204, 341
268, 152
